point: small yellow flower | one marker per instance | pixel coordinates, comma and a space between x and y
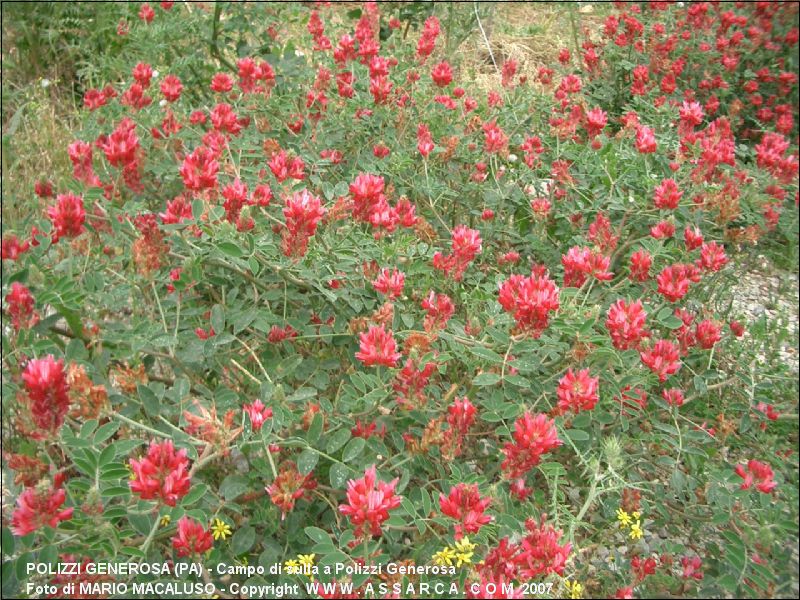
445, 556
165, 520
220, 529
636, 515
624, 518
292, 567
464, 551
636, 530
306, 564
574, 588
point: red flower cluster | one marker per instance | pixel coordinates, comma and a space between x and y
626, 324
577, 392
303, 212
369, 502
466, 245
540, 553
67, 216
377, 347
162, 474
48, 392
390, 284
533, 436
759, 472
663, 359
465, 505
191, 538
21, 307
530, 300
580, 263
439, 309
258, 414
38, 507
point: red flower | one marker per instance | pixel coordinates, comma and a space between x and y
48, 393
377, 347
161, 474
645, 140
737, 328
641, 261
465, 505
757, 471
579, 263
691, 567
146, 13
596, 120
707, 334
533, 436
369, 502
191, 538
626, 324
12, 247
68, 216
540, 553
440, 308
288, 487
171, 87
530, 300
390, 284
466, 245
303, 212
410, 383
38, 507
21, 307
222, 82
663, 359
442, 74
258, 414
643, 568
662, 230
667, 195
199, 169
625, 593
673, 396
577, 392
712, 257
693, 237
673, 281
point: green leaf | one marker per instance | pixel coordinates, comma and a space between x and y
486, 379
337, 440
105, 431
307, 461
317, 535
576, 435
486, 354
149, 400
218, 318
316, 429
230, 249
339, 474
233, 486
353, 448
243, 539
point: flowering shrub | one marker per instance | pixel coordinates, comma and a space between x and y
284, 308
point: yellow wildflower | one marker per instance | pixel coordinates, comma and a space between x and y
636, 515
306, 564
445, 556
165, 520
624, 518
220, 529
464, 551
292, 567
574, 588
636, 530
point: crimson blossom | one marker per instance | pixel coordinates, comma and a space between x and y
465, 505
161, 474
40, 506
377, 347
191, 538
48, 392
369, 502
577, 391
533, 437
530, 300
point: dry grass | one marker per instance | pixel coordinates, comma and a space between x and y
531, 33
35, 140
